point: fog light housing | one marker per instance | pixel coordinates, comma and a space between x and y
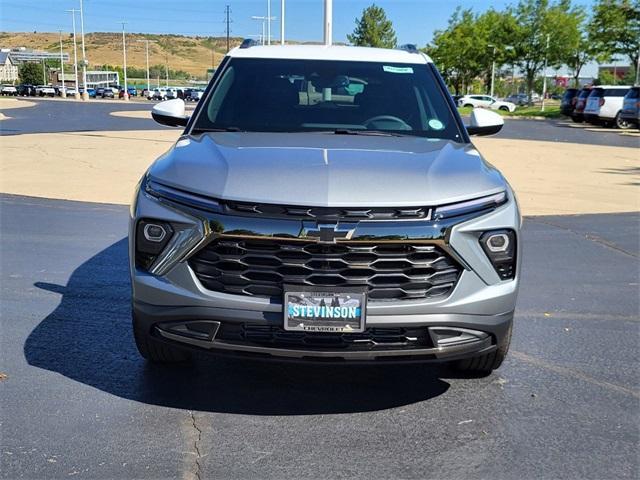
152, 237
500, 247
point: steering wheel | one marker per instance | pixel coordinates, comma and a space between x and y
389, 118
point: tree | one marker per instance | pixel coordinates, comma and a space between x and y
615, 29
455, 50
31, 73
542, 31
373, 29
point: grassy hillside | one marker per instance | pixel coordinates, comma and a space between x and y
190, 54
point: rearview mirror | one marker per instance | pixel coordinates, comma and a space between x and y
170, 113
484, 122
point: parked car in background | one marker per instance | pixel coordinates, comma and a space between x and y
518, 99
9, 90
486, 101
147, 93
45, 91
568, 103
171, 93
581, 101
92, 92
604, 105
196, 94
631, 107
159, 94
26, 90
99, 91
108, 93
132, 91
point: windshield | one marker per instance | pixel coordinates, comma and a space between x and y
277, 95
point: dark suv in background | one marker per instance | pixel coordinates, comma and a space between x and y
568, 101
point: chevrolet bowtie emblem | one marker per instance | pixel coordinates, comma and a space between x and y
327, 232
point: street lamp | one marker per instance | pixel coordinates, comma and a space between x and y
493, 66
146, 41
544, 73
125, 93
75, 53
63, 92
281, 22
85, 93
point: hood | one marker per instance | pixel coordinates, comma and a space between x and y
324, 169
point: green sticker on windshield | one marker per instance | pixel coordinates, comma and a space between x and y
390, 69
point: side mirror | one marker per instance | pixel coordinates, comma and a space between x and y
484, 122
170, 113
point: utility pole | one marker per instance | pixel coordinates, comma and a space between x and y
269, 22
44, 73
166, 70
281, 22
638, 69
63, 92
75, 52
146, 42
328, 22
544, 74
85, 93
228, 11
125, 94
493, 67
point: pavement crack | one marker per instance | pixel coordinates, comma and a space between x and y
588, 236
196, 445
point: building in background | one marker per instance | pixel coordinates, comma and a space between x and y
95, 78
618, 72
23, 54
8, 68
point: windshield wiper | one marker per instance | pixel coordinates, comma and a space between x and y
378, 133
224, 129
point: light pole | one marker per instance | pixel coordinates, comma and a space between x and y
85, 93
263, 19
166, 70
493, 66
75, 53
328, 19
63, 92
544, 74
513, 67
268, 22
44, 73
146, 41
281, 22
125, 93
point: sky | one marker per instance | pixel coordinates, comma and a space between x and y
414, 20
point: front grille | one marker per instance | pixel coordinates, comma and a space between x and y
372, 338
327, 213
389, 271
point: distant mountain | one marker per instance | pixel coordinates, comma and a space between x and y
190, 54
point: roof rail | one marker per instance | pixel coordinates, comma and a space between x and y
409, 47
248, 42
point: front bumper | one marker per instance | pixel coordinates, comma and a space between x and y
481, 305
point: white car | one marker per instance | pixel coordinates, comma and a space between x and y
485, 101
45, 91
604, 105
9, 90
159, 94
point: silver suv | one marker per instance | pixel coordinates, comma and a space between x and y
325, 203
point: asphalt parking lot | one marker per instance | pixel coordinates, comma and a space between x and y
78, 400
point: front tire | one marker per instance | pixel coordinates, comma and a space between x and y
485, 364
154, 350
504, 109
467, 105
620, 123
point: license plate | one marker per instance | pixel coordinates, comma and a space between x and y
324, 311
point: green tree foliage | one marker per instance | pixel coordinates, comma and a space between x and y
373, 29
615, 29
30, 73
535, 22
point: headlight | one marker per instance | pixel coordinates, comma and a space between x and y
500, 247
152, 237
470, 206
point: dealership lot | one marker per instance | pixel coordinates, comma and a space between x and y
78, 400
